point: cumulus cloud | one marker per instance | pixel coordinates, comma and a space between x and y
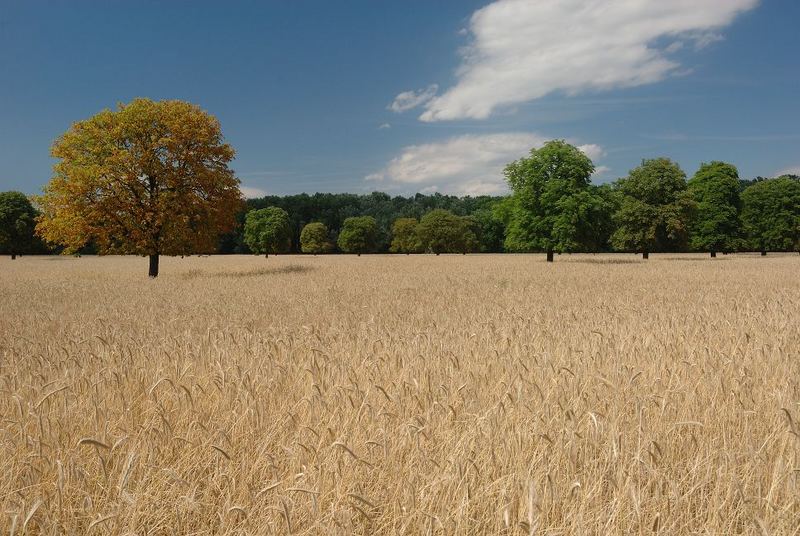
463, 165
384, 126
408, 100
251, 192
592, 150
522, 50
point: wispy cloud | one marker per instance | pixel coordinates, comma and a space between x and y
251, 192
384, 126
794, 170
522, 50
408, 100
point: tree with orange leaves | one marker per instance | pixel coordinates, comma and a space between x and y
150, 178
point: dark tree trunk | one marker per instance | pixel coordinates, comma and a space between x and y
266, 255
358, 254
763, 252
713, 254
549, 255
13, 256
645, 255
153, 266
437, 253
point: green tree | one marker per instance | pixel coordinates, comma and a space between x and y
17, 224
491, 229
771, 214
358, 235
315, 238
404, 236
655, 210
552, 207
150, 178
267, 231
716, 225
441, 231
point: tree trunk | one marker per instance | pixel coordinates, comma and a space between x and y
549, 255
358, 254
13, 256
763, 252
266, 255
645, 254
713, 254
437, 253
153, 266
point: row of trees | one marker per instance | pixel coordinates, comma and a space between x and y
555, 208
153, 178
332, 209
268, 230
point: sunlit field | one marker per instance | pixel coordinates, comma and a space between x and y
401, 395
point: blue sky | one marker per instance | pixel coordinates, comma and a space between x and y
319, 95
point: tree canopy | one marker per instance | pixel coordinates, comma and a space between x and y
441, 231
148, 178
358, 235
552, 207
17, 223
404, 236
716, 225
771, 214
315, 238
655, 210
267, 231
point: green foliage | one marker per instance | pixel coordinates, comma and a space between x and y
489, 229
553, 207
404, 236
655, 209
17, 223
771, 214
715, 189
267, 230
441, 231
333, 209
315, 238
358, 235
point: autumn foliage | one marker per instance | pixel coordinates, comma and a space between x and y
150, 178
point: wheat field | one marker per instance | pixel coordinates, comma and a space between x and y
401, 395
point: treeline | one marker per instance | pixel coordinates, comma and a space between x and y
333, 209
553, 208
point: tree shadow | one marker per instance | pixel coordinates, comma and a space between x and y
694, 259
288, 269
604, 261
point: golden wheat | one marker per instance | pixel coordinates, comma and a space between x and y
401, 395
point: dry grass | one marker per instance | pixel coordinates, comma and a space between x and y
400, 395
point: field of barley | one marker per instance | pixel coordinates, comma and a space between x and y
400, 395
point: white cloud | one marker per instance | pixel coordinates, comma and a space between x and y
251, 192
464, 165
592, 150
789, 171
599, 171
411, 99
523, 50
384, 126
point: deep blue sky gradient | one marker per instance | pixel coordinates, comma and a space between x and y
301, 86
